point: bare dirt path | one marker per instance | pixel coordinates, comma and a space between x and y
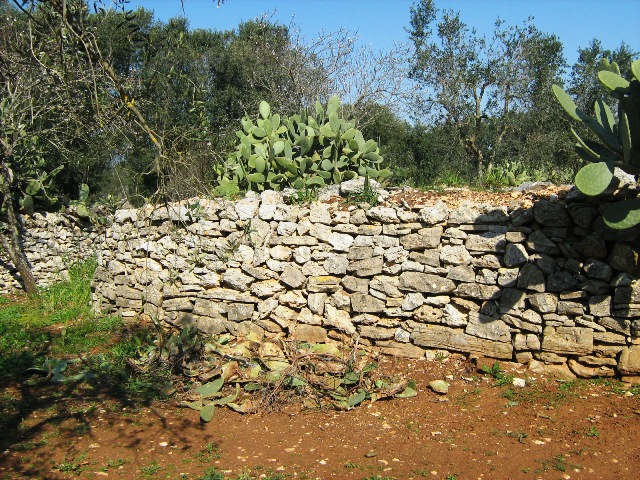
547, 430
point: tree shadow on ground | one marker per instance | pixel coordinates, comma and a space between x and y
34, 408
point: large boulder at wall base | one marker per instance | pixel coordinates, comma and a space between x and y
629, 363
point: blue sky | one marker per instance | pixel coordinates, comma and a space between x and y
381, 22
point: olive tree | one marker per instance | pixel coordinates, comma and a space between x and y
57, 91
479, 84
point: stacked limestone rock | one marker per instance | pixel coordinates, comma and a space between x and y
52, 242
541, 283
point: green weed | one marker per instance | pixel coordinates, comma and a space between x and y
424, 472
115, 463
441, 356
412, 427
519, 435
26, 446
209, 453
496, 372
558, 463
568, 385
493, 371
151, 469
304, 196
593, 432
635, 390
212, 474
74, 465
366, 195
243, 476
451, 178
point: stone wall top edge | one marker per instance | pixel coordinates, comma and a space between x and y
193, 209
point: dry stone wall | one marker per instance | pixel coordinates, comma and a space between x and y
546, 283
52, 242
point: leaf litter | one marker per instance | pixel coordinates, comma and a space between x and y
253, 374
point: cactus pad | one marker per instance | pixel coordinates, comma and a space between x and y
594, 178
625, 214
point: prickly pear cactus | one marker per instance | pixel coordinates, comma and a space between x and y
302, 151
619, 140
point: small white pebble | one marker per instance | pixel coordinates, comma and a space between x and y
519, 382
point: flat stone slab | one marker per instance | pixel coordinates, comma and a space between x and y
437, 336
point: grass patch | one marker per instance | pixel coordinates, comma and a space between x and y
615, 385
535, 393
85, 335
58, 324
70, 299
19, 342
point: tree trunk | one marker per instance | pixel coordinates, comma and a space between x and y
10, 238
470, 143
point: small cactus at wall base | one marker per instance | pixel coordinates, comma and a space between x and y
619, 140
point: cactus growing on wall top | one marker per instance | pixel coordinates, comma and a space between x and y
301, 151
619, 140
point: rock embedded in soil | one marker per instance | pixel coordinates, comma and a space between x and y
519, 382
439, 386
